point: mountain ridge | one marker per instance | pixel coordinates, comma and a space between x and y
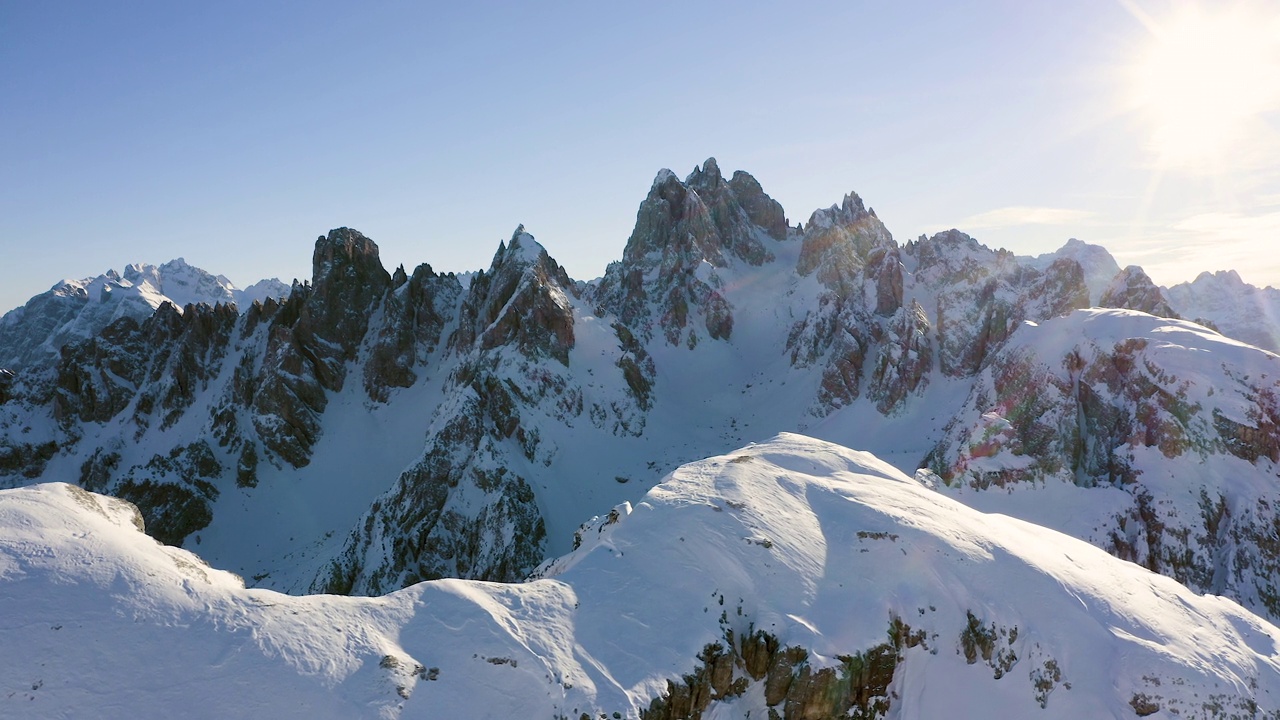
506, 409
724, 591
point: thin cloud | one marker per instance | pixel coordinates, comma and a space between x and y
1210, 241
1019, 215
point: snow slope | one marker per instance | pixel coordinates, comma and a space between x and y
1153, 438
1236, 308
928, 608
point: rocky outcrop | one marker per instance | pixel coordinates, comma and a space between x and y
459, 511
1072, 403
668, 278
187, 353
984, 295
348, 283
847, 246
1133, 290
416, 313
521, 301
857, 687
904, 361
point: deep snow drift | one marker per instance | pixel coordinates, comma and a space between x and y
810, 544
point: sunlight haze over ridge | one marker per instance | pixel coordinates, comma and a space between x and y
233, 134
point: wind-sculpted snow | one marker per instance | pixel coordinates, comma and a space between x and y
1157, 439
791, 576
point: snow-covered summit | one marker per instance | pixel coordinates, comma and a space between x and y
791, 576
1234, 307
1098, 264
78, 309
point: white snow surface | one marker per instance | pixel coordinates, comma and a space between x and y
814, 543
1238, 309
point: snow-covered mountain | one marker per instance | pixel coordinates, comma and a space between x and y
790, 578
79, 309
1098, 265
1155, 439
379, 428
1232, 306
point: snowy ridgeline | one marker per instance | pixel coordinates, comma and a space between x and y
75, 310
793, 575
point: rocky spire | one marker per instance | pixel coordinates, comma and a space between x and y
844, 243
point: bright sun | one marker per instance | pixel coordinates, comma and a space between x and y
1206, 80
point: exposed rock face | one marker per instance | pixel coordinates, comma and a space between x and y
463, 510
684, 231
349, 281
1074, 403
858, 687
985, 295
846, 244
1132, 289
520, 301
457, 512
416, 313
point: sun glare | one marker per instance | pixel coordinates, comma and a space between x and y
1205, 81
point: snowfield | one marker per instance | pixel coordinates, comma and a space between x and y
809, 544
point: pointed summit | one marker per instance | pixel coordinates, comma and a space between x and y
707, 177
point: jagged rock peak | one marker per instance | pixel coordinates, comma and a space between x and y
522, 249
850, 210
521, 298
1132, 289
843, 241
707, 176
346, 252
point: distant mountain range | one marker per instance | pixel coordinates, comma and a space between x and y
79, 309
372, 430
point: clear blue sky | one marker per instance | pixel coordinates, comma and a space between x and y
234, 133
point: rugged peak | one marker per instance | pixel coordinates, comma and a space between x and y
1228, 277
707, 177
664, 176
841, 241
849, 210
1132, 289
521, 299
346, 255
348, 281
669, 205
522, 253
